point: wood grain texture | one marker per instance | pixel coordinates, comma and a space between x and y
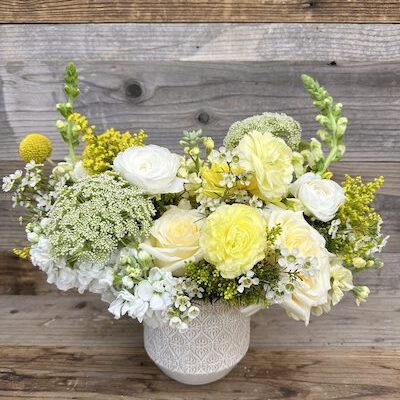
83, 373
40, 315
23, 11
199, 42
168, 97
57, 345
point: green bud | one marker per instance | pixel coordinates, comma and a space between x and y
359, 262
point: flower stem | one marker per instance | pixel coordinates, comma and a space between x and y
71, 150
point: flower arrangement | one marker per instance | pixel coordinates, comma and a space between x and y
256, 222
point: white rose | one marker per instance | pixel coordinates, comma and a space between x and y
153, 168
311, 291
320, 197
174, 239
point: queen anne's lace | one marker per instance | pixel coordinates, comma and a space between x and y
94, 216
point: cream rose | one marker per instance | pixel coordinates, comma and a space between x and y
320, 197
153, 168
270, 159
311, 291
174, 239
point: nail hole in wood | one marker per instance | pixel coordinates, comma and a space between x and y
203, 117
333, 63
133, 90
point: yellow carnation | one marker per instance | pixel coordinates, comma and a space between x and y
35, 147
270, 160
211, 177
233, 239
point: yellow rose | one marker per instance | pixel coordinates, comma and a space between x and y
233, 239
270, 160
311, 291
174, 239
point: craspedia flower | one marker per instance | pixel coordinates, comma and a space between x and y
35, 147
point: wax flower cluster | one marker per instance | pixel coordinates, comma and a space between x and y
257, 221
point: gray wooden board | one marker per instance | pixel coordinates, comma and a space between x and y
174, 94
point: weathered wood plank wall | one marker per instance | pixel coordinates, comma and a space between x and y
162, 78
31, 11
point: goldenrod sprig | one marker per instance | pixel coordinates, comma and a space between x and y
334, 125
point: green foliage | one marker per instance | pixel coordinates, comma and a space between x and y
215, 286
280, 125
334, 126
356, 236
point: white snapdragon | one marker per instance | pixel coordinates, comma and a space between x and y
320, 197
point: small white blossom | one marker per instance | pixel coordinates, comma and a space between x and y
247, 281
127, 282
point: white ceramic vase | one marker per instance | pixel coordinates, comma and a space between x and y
212, 346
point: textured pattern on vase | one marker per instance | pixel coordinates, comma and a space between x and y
216, 340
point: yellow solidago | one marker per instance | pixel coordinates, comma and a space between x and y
357, 209
22, 253
35, 147
81, 124
356, 214
101, 150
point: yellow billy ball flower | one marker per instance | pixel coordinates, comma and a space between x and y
233, 239
35, 147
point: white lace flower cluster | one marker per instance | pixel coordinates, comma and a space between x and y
27, 186
291, 261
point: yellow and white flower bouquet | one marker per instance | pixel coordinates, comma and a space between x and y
256, 222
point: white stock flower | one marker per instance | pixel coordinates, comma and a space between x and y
94, 277
174, 239
152, 168
127, 303
66, 279
150, 295
297, 234
320, 197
